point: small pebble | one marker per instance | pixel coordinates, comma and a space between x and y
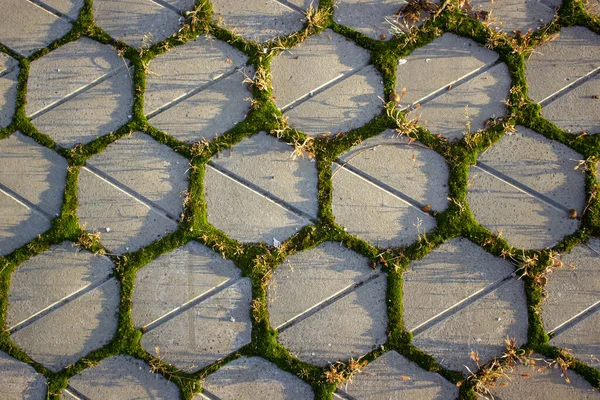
402, 61
232, 319
107, 229
428, 60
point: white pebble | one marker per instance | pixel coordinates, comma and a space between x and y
427, 60
107, 229
232, 319
402, 61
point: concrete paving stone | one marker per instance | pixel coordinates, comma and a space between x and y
149, 168
123, 221
69, 333
447, 276
19, 381
176, 278
581, 340
69, 8
324, 57
185, 68
139, 23
578, 110
481, 326
265, 162
258, 20
517, 15
560, 62
374, 214
245, 214
7, 62
206, 332
52, 276
350, 327
349, 104
209, 113
123, 378
438, 64
574, 287
26, 27
181, 5
34, 172
306, 279
8, 96
420, 173
19, 224
96, 112
253, 378
386, 378
365, 18
473, 102
542, 381
68, 69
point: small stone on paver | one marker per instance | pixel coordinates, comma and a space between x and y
306, 279
19, 381
245, 214
404, 165
574, 286
138, 23
26, 27
481, 326
52, 276
558, 63
265, 162
258, 20
175, 278
581, 340
520, 15
72, 331
69, 8
8, 96
123, 378
374, 214
446, 276
350, 327
393, 376
541, 381
438, 64
253, 378
19, 223
206, 332
467, 107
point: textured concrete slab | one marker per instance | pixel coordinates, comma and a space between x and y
581, 340
375, 215
8, 96
65, 335
350, 327
7, 62
181, 5
250, 378
558, 63
48, 278
138, 23
306, 279
70, 8
393, 376
265, 162
206, 332
19, 381
447, 276
123, 377
26, 27
176, 278
245, 214
481, 327
19, 223
258, 20
408, 167
517, 15
362, 16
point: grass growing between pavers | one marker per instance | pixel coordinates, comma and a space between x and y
259, 261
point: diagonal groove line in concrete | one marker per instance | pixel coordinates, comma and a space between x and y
464, 303
588, 312
193, 92
24, 202
327, 85
191, 304
168, 6
520, 187
58, 304
9, 70
263, 193
289, 5
327, 302
208, 395
127, 190
77, 92
570, 87
52, 10
76, 393
343, 395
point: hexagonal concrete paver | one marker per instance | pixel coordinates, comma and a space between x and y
70, 8
9, 74
205, 332
393, 376
517, 15
132, 200
531, 184
19, 381
123, 377
249, 378
26, 27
